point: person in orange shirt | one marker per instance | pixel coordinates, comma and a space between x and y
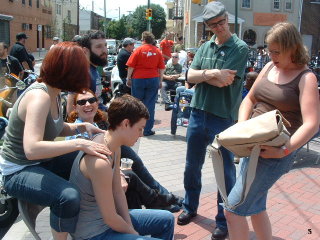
145, 74
166, 46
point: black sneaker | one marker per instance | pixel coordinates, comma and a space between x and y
168, 107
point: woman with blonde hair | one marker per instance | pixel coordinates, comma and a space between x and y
288, 85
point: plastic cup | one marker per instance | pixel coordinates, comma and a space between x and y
126, 163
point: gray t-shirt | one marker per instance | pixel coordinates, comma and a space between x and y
90, 222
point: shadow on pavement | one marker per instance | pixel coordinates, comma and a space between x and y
306, 159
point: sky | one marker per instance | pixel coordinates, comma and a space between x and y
112, 8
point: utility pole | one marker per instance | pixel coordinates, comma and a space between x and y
78, 12
149, 21
236, 19
105, 15
119, 13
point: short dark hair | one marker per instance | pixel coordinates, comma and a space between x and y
180, 38
92, 34
148, 37
66, 67
126, 107
5, 46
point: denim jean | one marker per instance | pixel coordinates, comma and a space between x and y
146, 89
167, 85
157, 223
140, 169
202, 128
47, 184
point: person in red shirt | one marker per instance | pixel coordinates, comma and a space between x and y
145, 74
166, 47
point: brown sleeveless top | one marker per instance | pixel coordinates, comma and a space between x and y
284, 97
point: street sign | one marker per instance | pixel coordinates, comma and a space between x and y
39, 28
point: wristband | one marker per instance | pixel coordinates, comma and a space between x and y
285, 150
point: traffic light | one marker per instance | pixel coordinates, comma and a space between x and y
149, 14
197, 2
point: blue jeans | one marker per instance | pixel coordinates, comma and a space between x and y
157, 223
202, 128
146, 89
140, 169
47, 184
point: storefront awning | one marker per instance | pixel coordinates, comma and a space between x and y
5, 17
232, 18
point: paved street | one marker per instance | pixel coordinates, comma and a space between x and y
293, 202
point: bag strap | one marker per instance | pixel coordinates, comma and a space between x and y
218, 167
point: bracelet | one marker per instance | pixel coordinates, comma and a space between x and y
204, 75
285, 150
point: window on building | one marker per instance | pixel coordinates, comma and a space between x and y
276, 5
4, 31
25, 26
38, 3
30, 3
30, 26
246, 4
24, 2
58, 9
288, 5
48, 32
250, 37
69, 15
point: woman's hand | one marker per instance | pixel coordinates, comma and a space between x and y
92, 130
129, 84
93, 148
272, 152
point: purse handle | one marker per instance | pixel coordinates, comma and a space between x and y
217, 162
218, 167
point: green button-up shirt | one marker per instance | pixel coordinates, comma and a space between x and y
223, 102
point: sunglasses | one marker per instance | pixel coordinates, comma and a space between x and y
175, 57
84, 101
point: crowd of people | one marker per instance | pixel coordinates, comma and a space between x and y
80, 178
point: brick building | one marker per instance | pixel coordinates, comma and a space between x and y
34, 17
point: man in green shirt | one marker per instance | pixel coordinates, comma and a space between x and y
171, 74
218, 70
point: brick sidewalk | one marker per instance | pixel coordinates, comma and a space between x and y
292, 203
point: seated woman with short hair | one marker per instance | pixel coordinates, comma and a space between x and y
104, 212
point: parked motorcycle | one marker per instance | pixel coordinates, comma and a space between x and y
8, 94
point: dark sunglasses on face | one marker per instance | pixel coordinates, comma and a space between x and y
84, 101
175, 57
214, 25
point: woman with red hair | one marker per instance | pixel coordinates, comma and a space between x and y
36, 168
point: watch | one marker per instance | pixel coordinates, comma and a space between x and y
285, 150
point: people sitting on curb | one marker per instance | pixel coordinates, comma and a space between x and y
150, 193
171, 74
104, 211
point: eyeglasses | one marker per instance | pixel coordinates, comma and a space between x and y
175, 57
89, 100
275, 53
214, 25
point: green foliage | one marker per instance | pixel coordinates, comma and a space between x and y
134, 24
158, 22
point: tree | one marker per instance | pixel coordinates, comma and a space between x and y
158, 22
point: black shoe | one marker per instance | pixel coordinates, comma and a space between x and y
149, 133
178, 200
185, 218
162, 200
172, 208
168, 107
219, 233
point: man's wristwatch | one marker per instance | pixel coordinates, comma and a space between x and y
285, 150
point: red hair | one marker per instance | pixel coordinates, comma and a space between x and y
66, 67
100, 116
